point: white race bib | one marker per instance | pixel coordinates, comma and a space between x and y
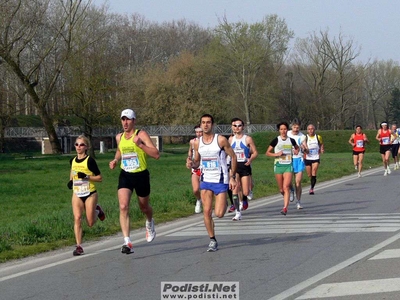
130, 161
81, 187
209, 163
240, 156
286, 157
360, 144
385, 141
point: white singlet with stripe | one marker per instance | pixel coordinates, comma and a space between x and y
213, 162
313, 147
299, 138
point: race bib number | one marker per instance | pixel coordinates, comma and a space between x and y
286, 157
130, 162
313, 152
210, 164
240, 156
360, 144
385, 141
81, 187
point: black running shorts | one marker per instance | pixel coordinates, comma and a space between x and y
140, 182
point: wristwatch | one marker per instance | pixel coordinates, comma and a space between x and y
233, 176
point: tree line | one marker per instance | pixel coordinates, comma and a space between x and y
71, 58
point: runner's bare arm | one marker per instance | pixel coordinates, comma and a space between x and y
117, 156
144, 142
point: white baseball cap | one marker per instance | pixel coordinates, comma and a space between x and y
129, 113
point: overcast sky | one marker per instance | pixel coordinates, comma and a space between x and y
372, 24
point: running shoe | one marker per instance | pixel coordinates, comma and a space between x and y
284, 211
101, 215
250, 196
238, 216
298, 205
127, 248
78, 251
388, 171
359, 174
240, 206
212, 246
231, 209
245, 205
356, 167
385, 174
311, 192
150, 231
291, 194
197, 209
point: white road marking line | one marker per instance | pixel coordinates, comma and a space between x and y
387, 254
301, 224
312, 280
353, 288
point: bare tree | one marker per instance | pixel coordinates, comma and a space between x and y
380, 79
89, 74
36, 40
342, 54
313, 67
246, 49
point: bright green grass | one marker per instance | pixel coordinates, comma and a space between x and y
36, 213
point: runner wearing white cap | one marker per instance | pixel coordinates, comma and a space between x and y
133, 148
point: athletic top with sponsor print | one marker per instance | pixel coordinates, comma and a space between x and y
213, 162
240, 148
133, 158
313, 146
82, 187
286, 146
359, 143
384, 137
395, 136
299, 138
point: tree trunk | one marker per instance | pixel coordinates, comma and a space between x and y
51, 132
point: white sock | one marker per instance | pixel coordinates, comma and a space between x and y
127, 240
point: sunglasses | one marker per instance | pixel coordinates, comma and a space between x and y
237, 125
80, 145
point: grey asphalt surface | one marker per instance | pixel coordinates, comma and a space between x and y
345, 223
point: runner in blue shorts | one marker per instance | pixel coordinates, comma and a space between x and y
209, 153
298, 161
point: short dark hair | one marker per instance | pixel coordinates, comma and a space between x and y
207, 116
282, 123
237, 119
358, 126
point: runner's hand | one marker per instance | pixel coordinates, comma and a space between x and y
69, 184
189, 163
82, 175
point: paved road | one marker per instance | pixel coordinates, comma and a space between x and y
344, 243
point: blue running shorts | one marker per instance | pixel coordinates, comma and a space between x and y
298, 165
216, 188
